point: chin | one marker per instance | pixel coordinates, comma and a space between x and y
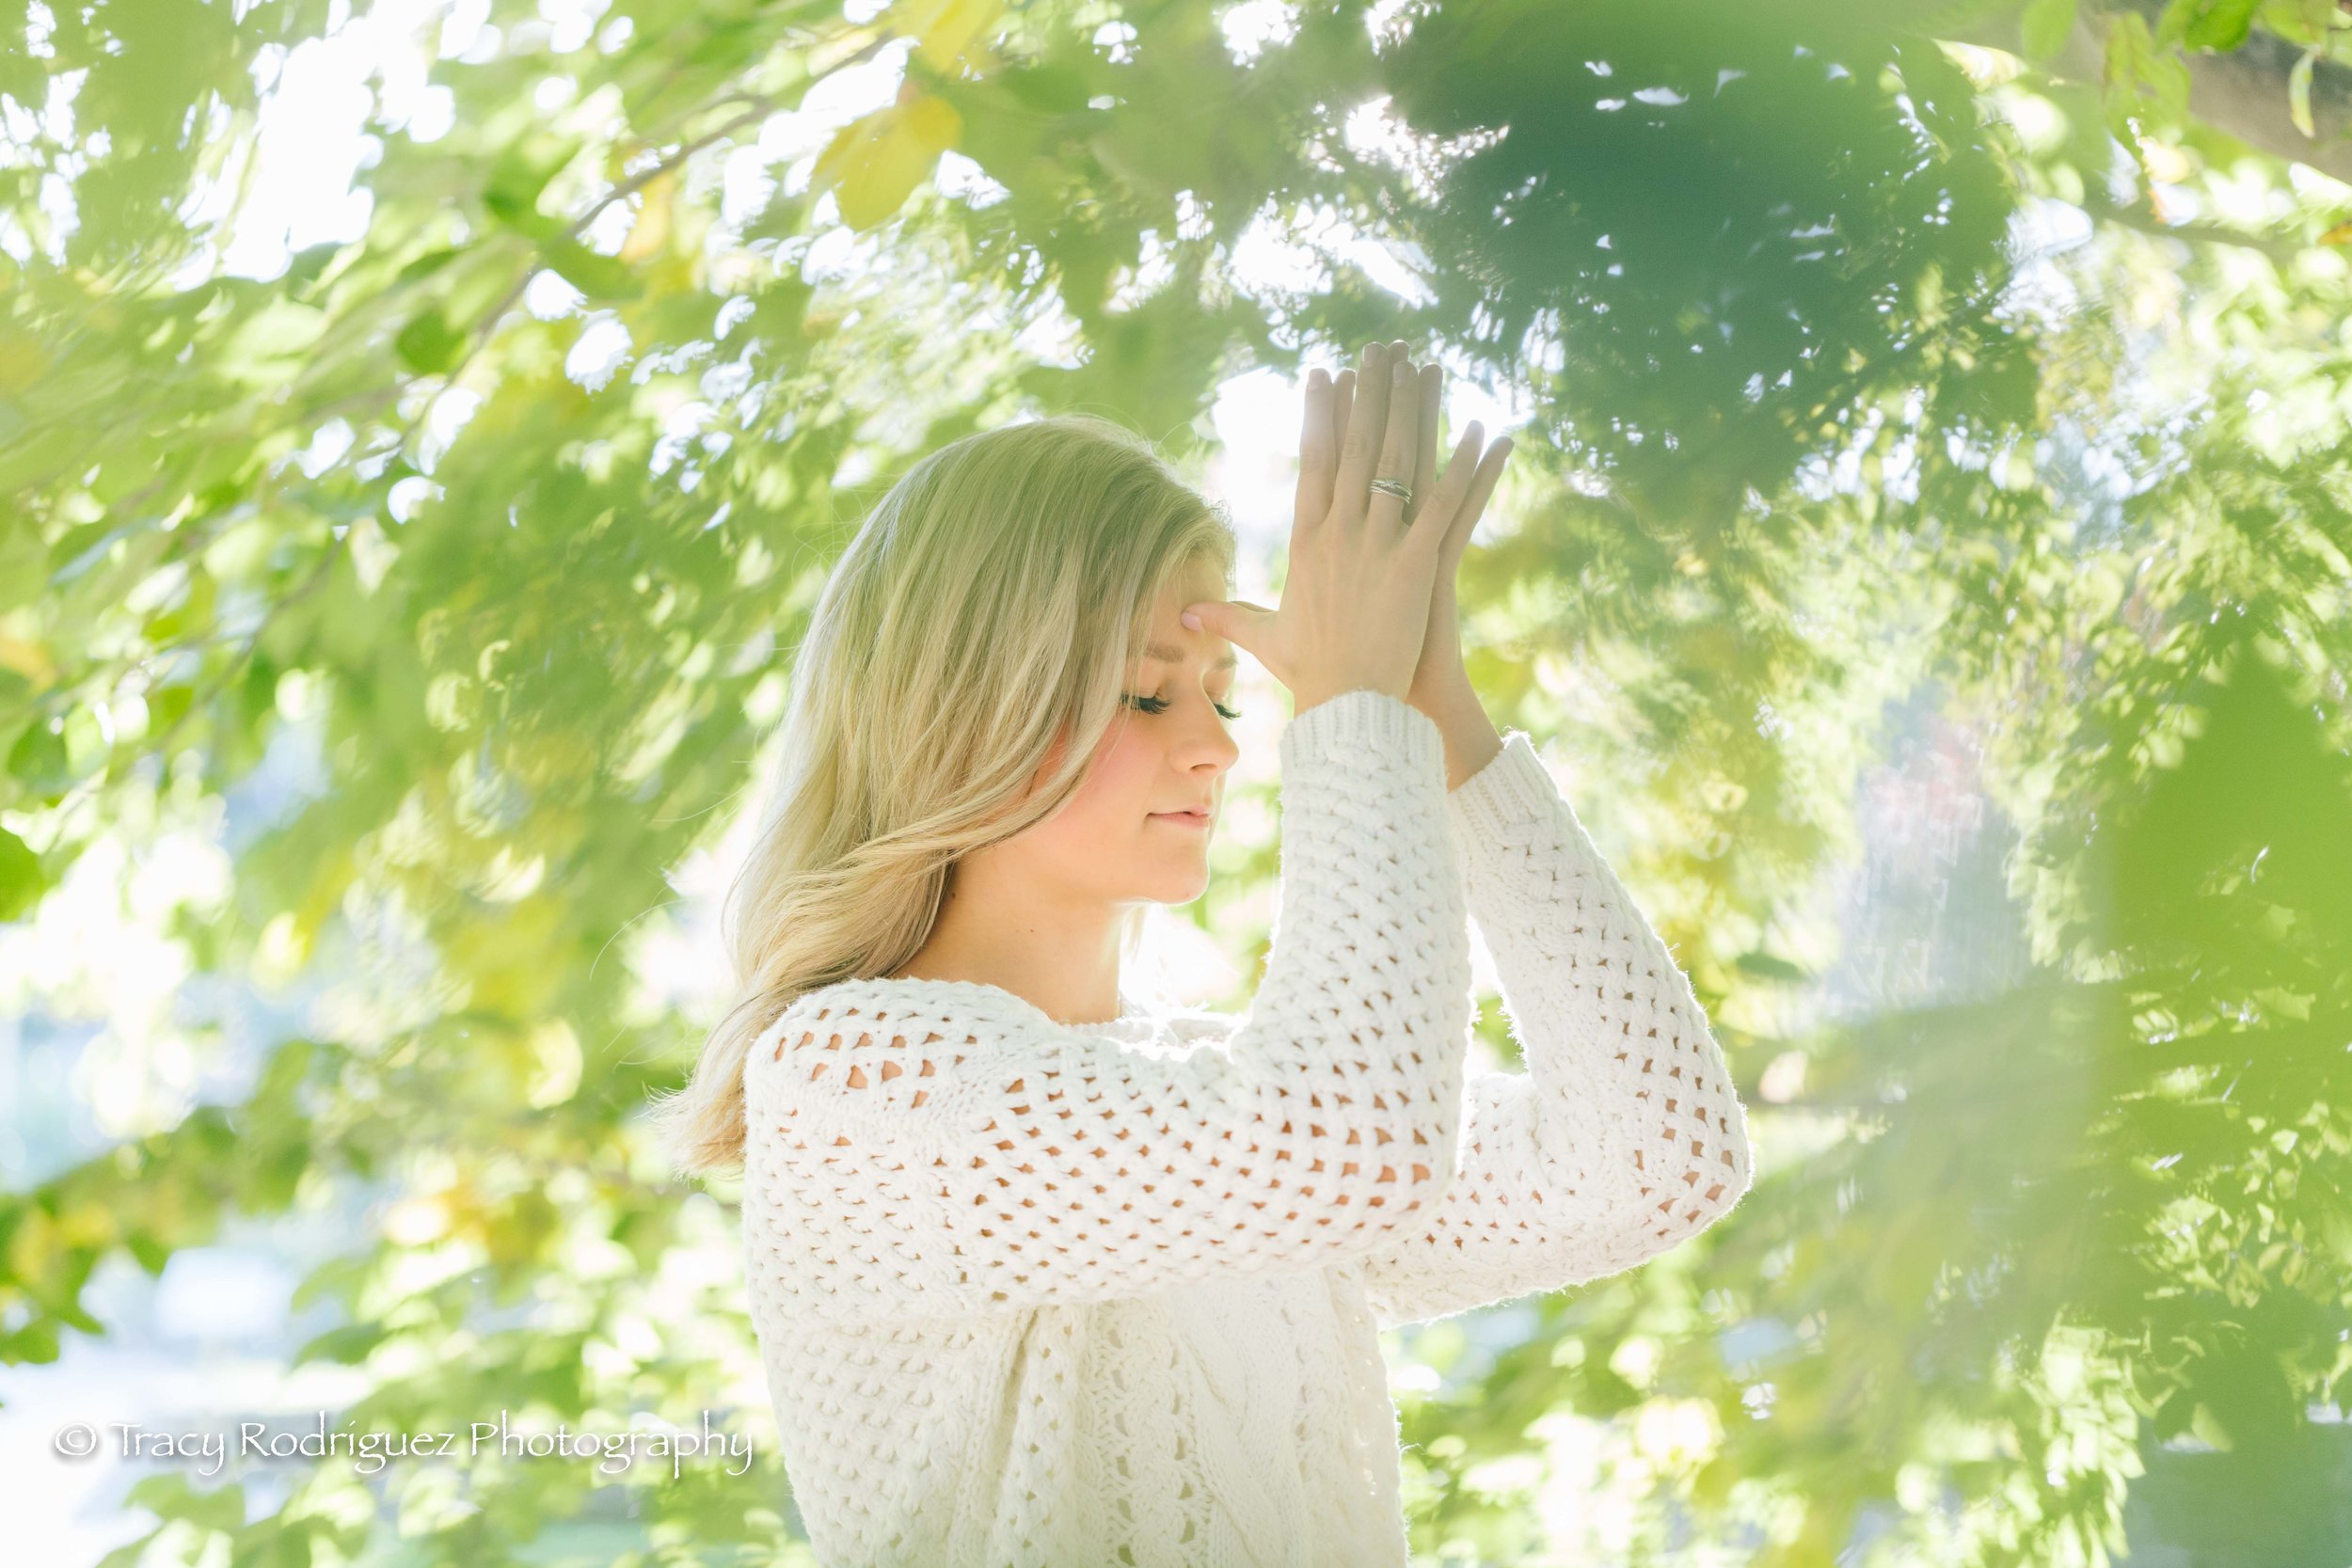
1180, 888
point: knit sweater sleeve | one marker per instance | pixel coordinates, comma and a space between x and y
943, 1158
1624, 1137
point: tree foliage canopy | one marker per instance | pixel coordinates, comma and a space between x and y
1891, 396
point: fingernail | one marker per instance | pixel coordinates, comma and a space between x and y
1192, 622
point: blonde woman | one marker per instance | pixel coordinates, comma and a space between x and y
1043, 1277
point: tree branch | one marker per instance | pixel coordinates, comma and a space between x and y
2242, 92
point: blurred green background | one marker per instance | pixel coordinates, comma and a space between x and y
1927, 569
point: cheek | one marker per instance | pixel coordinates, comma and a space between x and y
1114, 797
1118, 787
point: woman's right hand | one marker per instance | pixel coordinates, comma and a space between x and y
1355, 600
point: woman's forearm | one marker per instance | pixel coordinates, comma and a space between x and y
1471, 740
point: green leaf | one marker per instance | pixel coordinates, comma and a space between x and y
1052, 89
1769, 966
2219, 25
597, 275
172, 1494
131, 1553
21, 881
75, 1315
473, 677
2046, 27
309, 262
2304, 21
428, 344
39, 761
36, 1343
518, 179
2138, 69
427, 264
2299, 92
349, 1346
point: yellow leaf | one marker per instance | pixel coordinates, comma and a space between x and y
33, 1248
22, 359
934, 123
555, 1075
88, 1225
652, 226
29, 659
943, 27
874, 162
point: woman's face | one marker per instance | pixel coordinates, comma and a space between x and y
1119, 835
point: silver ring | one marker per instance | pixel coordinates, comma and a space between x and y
1396, 487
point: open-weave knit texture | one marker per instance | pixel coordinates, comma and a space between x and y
1088, 1295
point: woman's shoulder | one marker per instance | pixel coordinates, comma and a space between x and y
868, 1048
858, 1016
907, 1013
922, 1052
973, 1004
899, 1011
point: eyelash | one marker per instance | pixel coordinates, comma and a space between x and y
1159, 704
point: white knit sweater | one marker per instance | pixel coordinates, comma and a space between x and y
1077, 1296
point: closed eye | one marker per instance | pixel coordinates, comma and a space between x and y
1161, 704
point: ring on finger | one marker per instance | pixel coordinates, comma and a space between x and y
1396, 487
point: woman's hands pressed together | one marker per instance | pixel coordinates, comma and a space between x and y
1370, 597
1440, 680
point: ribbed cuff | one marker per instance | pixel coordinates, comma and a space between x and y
1513, 787
1353, 724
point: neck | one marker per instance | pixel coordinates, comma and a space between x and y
1061, 958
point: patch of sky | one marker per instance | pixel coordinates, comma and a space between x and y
598, 352
1253, 26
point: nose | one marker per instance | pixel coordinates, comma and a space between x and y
1206, 744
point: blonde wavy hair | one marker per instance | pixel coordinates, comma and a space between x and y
994, 601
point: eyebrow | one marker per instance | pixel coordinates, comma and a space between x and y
1168, 655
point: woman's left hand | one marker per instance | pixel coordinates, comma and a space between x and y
1441, 677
